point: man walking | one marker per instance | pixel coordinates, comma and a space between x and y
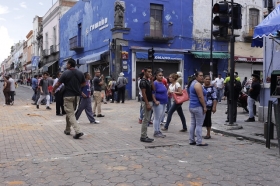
37, 96
147, 88
254, 93
219, 81
98, 80
85, 101
12, 89
58, 93
44, 92
34, 85
72, 79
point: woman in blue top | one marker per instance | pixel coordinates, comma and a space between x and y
160, 99
211, 103
197, 109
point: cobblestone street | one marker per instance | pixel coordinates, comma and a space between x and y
34, 151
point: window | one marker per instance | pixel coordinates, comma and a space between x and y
54, 36
265, 3
253, 19
156, 20
80, 34
46, 43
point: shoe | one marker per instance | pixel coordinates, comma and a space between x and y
193, 143
122, 102
183, 130
77, 136
207, 137
150, 122
95, 122
12, 103
204, 144
33, 104
48, 108
67, 133
250, 120
100, 115
146, 140
59, 114
227, 120
37, 106
94, 115
140, 121
162, 135
105, 102
164, 129
159, 135
77, 121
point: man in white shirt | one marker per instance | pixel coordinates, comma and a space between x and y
219, 81
12, 89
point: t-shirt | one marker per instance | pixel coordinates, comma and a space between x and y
34, 83
173, 88
256, 88
96, 81
86, 89
112, 84
219, 82
210, 96
146, 84
12, 86
161, 92
72, 79
44, 83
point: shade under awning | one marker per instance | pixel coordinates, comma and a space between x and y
215, 55
45, 68
91, 58
268, 26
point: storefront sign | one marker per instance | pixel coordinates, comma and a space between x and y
100, 25
160, 56
248, 59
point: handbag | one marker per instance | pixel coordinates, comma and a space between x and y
179, 99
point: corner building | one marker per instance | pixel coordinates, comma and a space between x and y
114, 36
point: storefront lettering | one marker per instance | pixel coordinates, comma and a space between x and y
167, 58
102, 24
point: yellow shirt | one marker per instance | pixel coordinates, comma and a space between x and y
228, 78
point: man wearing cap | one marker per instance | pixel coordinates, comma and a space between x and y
254, 93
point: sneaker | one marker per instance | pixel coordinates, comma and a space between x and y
164, 129
183, 130
100, 115
48, 108
78, 122
147, 140
162, 135
37, 106
66, 133
77, 136
12, 103
95, 122
157, 135
140, 121
250, 119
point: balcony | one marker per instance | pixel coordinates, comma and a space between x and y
75, 44
158, 32
248, 37
45, 53
53, 49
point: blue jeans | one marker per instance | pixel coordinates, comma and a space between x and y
220, 93
251, 103
159, 111
179, 109
168, 104
197, 119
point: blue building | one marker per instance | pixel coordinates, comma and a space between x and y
114, 36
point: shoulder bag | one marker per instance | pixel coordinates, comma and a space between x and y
179, 99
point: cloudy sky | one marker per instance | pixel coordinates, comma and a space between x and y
16, 17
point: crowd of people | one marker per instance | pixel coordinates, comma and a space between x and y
72, 92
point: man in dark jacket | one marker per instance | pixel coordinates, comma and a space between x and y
254, 93
237, 88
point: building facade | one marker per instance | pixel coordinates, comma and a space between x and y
114, 36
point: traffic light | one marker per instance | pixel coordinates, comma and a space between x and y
151, 53
237, 17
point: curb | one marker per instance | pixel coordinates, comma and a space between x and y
243, 136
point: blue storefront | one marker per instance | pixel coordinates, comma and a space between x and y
88, 33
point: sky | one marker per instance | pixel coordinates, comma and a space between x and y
16, 17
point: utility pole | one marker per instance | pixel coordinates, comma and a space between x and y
211, 45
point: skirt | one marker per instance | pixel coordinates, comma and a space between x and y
208, 121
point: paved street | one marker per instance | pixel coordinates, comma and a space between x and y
34, 151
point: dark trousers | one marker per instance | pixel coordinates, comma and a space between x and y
59, 103
234, 102
121, 94
85, 104
34, 95
113, 95
176, 107
12, 95
7, 97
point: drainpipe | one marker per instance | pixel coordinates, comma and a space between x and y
269, 6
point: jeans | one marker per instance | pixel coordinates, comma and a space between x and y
251, 103
159, 111
168, 104
197, 119
35, 93
121, 94
147, 116
69, 106
85, 104
179, 109
59, 103
220, 93
12, 95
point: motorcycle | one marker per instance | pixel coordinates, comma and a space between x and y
242, 101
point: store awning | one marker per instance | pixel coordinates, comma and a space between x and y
268, 27
45, 68
215, 55
160, 56
91, 58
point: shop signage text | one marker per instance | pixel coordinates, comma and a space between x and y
100, 25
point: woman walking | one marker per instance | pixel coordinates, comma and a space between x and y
121, 84
175, 88
197, 109
6, 91
160, 100
211, 103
